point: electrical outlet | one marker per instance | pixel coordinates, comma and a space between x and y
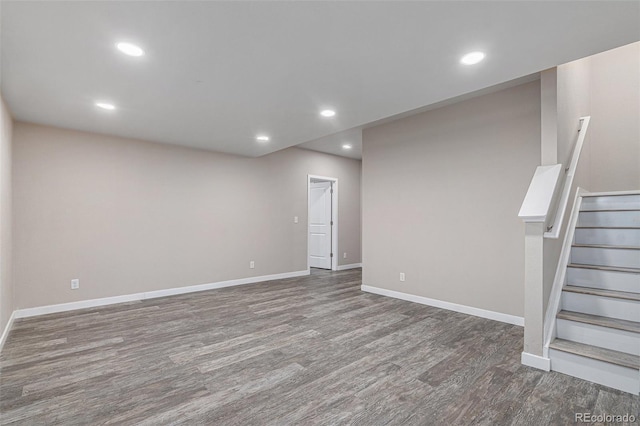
252, 264
344, 256
401, 276
75, 284
295, 219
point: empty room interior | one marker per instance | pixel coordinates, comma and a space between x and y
295, 213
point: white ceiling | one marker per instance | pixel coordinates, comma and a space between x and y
332, 144
216, 74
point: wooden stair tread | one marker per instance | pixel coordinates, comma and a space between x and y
606, 246
604, 268
607, 227
602, 292
600, 321
594, 352
609, 210
610, 194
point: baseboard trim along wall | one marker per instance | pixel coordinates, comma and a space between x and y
350, 266
7, 328
92, 303
470, 310
535, 361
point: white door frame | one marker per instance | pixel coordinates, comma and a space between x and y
334, 217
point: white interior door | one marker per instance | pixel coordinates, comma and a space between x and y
320, 225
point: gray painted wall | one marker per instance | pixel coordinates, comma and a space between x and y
127, 216
572, 100
6, 285
605, 86
614, 163
441, 195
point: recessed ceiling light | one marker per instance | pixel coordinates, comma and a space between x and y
346, 146
262, 138
472, 58
327, 113
130, 49
105, 105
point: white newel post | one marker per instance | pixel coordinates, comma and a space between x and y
535, 215
534, 288
543, 212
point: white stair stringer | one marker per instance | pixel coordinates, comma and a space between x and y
597, 326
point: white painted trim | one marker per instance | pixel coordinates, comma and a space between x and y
601, 372
334, 215
611, 193
72, 306
7, 329
596, 335
350, 266
568, 181
82, 304
560, 277
540, 195
321, 177
470, 310
535, 361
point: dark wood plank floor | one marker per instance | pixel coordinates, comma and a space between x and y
312, 350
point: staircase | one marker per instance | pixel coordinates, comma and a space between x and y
598, 326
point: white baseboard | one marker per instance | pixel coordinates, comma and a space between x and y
72, 306
92, 303
535, 361
351, 266
470, 310
7, 329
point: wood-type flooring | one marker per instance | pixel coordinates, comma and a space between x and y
313, 350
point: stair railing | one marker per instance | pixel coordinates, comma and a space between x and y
543, 211
560, 276
553, 230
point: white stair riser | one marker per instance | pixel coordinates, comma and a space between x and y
594, 335
612, 237
623, 258
604, 373
619, 219
607, 280
611, 203
603, 306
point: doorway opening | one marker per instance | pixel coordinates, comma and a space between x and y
322, 220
